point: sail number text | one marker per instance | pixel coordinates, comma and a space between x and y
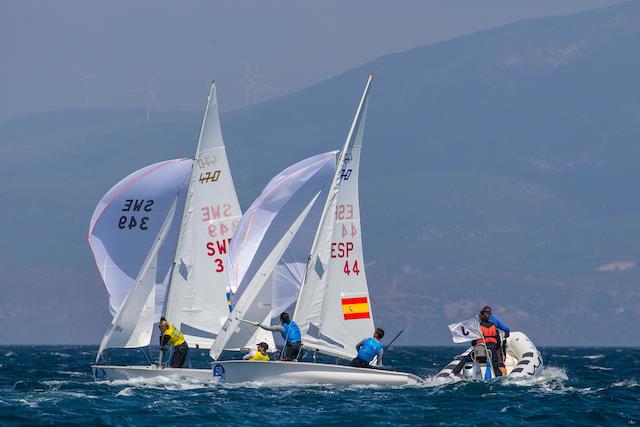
131, 221
343, 250
216, 249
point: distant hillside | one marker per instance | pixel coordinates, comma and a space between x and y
499, 167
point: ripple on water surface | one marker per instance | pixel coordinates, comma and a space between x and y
580, 386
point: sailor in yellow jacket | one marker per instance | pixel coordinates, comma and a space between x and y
172, 336
260, 354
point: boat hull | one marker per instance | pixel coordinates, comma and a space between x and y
523, 360
240, 371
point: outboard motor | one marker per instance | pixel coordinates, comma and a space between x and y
469, 370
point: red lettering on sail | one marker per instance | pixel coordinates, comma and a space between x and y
220, 245
341, 249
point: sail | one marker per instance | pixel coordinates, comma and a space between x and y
255, 301
333, 309
133, 324
270, 215
197, 296
126, 221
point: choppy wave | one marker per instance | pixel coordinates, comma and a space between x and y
57, 386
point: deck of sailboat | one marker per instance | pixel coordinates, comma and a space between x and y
274, 372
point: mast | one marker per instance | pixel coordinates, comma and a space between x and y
335, 184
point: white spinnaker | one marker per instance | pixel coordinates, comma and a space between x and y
197, 300
127, 219
133, 324
255, 301
333, 309
269, 216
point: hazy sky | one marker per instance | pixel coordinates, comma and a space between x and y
76, 54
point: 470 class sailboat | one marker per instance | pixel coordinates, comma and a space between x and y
332, 304
156, 265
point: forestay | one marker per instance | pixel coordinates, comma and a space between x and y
333, 309
133, 324
127, 219
197, 298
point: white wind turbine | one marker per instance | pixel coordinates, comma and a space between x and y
85, 84
253, 86
150, 97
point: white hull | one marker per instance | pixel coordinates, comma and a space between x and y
240, 371
522, 360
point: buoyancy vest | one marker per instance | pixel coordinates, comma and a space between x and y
175, 336
369, 349
259, 356
291, 333
489, 332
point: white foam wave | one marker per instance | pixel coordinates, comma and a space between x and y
167, 382
58, 354
550, 376
626, 383
73, 373
598, 368
9, 354
127, 391
594, 356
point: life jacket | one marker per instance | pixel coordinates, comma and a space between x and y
175, 336
489, 332
260, 356
291, 333
369, 349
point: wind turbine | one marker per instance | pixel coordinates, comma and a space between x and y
151, 97
253, 85
85, 85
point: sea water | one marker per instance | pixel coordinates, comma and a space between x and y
578, 386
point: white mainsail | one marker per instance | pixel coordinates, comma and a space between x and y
255, 301
126, 220
133, 324
333, 309
197, 297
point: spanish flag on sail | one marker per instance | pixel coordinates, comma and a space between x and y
355, 308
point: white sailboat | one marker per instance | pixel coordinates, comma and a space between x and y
333, 308
137, 217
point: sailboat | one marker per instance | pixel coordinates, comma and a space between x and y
333, 307
154, 265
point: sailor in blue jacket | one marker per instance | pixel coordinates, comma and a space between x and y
290, 332
368, 350
486, 311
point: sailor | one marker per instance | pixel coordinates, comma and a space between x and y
291, 336
172, 336
486, 310
490, 339
260, 354
368, 350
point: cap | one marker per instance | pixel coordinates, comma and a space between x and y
485, 308
263, 344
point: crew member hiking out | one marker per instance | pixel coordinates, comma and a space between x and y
170, 335
291, 336
260, 354
368, 350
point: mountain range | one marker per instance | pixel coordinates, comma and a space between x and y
498, 168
